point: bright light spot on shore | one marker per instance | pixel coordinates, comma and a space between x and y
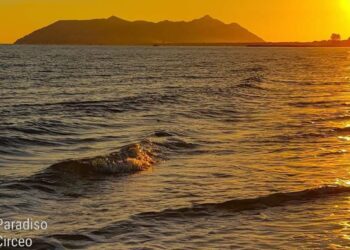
344, 138
343, 182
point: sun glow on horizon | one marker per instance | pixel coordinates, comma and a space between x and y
345, 5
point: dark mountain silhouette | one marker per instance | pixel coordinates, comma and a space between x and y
118, 31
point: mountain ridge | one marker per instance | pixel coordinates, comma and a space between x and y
117, 31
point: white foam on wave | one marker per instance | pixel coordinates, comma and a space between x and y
128, 159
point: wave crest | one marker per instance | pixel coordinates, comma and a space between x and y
280, 199
129, 159
136, 222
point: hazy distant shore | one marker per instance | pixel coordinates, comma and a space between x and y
329, 43
266, 44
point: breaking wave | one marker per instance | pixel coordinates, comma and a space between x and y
85, 173
129, 159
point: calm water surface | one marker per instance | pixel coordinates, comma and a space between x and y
240, 136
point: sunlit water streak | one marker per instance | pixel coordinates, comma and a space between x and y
238, 142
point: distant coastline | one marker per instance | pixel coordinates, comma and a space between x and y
316, 44
257, 45
117, 31
204, 31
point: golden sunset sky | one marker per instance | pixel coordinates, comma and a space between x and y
273, 20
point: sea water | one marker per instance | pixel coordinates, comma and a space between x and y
232, 147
